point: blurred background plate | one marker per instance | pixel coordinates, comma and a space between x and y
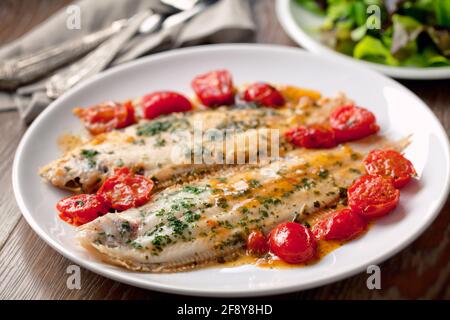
302, 26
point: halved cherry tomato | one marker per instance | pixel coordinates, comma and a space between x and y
214, 88
257, 243
81, 209
311, 137
373, 196
106, 116
352, 123
125, 190
264, 94
341, 225
164, 102
392, 164
292, 243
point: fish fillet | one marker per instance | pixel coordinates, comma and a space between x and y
163, 148
191, 225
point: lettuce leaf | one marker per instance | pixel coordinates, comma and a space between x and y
406, 30
441, 38
428, 58
315, 6
442, 12
372, 49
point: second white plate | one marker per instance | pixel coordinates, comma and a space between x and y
302, 25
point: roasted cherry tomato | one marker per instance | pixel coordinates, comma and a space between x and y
292, 243
352, 123
341, 225
373, 196
164, 102
125, 190
311, 137
264, 94
106, 116
214, 88
81, 209
392, 164
257, 243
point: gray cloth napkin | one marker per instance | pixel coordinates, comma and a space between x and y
224, 21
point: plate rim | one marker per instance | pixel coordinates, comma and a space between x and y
298, 35
121, 277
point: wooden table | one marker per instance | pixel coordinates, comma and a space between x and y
30, 269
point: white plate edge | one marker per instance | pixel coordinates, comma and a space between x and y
199, 292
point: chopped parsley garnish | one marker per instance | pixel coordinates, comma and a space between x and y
120, 163
269, 201
354, 170
160, 241
125, 228
89, 154
160, 212
160, 142
254, 183
191, 216
79, 203
305, 184
193, 189
153, 128
222, 202
136, 245
323, 173
177, 225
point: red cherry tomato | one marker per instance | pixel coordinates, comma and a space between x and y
106, 116
373, 196
340, 225
292, 243
164, 102
352, 123
81, 209
214, 88
125, 190
264, 94
311, 137
257, 243
390, 163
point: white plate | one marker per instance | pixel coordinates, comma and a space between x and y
302, 26
399, 113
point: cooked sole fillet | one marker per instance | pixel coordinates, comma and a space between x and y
165, 147
188, 226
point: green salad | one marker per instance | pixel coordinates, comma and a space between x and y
413, 33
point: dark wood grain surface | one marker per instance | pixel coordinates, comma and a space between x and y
30, 269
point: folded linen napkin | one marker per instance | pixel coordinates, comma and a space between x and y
224, 21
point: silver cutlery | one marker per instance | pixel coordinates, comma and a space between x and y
27, 68
101, 57
30, 67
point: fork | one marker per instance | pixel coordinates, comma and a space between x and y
100, 58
